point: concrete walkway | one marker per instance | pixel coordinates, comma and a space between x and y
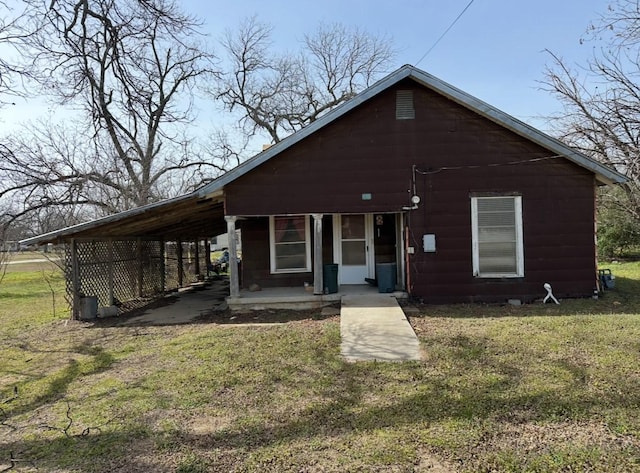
38, 260
373, 327
182, 308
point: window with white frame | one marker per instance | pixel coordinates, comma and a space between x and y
290, 244
496, 227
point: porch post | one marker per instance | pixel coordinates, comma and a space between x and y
197, 256
75, 280
180, 265
110, 276
234, 281
317, 254
140, 268
207, 255
163, 276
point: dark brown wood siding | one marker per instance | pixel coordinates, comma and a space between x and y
456, 153
557, 233
256, 267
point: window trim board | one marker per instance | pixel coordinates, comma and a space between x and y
272, 247
519, 237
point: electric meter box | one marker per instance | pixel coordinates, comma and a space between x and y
429, 243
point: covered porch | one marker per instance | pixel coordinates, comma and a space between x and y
123, 261
293, 253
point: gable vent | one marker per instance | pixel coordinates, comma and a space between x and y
404, 105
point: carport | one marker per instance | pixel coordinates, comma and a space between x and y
122, 261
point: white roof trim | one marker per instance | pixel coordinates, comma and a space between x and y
604, 174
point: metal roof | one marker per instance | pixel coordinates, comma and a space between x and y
183, 217
604, 174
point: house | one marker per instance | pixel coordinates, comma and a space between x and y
460, 201
221, 242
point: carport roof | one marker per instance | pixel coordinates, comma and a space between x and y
186, 217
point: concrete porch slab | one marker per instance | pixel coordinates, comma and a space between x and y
297, 298
181, 307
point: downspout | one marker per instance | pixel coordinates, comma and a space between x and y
406, 256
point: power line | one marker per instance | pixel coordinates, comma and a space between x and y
487, 165
445, 32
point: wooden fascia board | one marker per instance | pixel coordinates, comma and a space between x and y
134, 221
185, 216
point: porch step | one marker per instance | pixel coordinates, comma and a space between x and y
373, 327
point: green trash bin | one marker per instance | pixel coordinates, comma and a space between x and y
386, 273
330, 278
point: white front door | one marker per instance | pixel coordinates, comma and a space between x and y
353, 248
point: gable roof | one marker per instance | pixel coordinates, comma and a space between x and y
604, 174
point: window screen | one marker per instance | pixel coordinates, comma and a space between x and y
289, 244
497, 236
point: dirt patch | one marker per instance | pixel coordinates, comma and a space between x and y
267, 316
429, 463
142, 457
207, 424
534, 437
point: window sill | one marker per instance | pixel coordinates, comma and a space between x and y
499, 276
291, 271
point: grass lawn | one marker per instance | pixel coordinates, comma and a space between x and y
501, 388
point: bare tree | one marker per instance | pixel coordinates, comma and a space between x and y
51, 168
278, 94
10, 74
602, 99
131, 67
10, 71
5, 250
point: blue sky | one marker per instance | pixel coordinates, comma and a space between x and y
494, 52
